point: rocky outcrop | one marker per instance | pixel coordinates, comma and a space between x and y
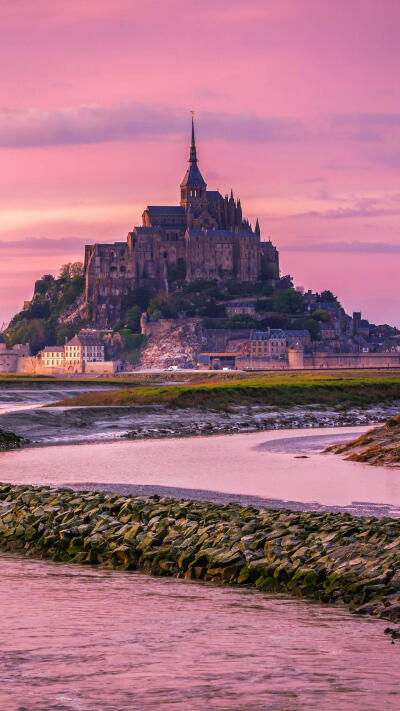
380, 445
78, 311
329, 557
173, 342
9, 440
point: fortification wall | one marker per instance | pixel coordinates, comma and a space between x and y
352, 360
260, 363
105, 367
8, 362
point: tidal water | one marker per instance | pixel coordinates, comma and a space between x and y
76, 638
83, 639
275, 468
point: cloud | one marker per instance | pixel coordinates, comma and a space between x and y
45, 244
370, 127
365, 247
364, 208
92, 123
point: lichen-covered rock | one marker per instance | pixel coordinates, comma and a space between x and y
380, 445
10, 440
328, 557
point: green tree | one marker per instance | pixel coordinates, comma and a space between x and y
327, 297
320, 315
288, 301
132, 319
241, 321
70, 270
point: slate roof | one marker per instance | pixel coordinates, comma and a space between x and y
53, 349
85, 339
213, 195
268, 335
299, 333
165, 210
221, 233
193, 177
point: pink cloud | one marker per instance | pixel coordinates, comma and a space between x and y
291, 97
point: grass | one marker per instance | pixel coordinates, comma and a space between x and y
274, 389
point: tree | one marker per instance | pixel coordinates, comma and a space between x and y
320, 315
70, 270
132, 319
288, 301
327, 297
44, 284
241, 321
310, 325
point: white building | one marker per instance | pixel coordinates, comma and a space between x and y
52, 357
83, 348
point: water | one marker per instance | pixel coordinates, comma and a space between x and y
83, 639
247, 467
76, 638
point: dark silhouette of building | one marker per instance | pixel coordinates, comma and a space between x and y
205, 237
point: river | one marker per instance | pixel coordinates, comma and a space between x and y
85, 639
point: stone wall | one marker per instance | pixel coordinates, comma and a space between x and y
226, 340
352, 360
105, 367
260, 363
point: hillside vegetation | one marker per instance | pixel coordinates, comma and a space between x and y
39, 322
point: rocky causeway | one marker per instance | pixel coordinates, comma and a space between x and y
327, 557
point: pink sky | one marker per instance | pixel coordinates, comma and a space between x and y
297, 106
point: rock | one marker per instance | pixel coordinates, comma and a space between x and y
324, 556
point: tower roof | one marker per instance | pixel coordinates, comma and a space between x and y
193, 177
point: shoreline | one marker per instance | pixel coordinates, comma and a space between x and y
328, 557
53, 426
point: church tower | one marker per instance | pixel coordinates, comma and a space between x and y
193, 185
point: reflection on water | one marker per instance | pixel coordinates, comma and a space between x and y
83, 639
245, 465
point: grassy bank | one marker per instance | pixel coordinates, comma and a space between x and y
322, 556
278, 390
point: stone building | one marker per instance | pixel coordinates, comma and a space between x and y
271, 343
81, 349
10, 357
52, 357
204, 237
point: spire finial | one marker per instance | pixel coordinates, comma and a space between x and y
193, 153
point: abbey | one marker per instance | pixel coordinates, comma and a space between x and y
205, 237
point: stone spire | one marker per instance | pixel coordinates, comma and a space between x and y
193, 152
193, 185
257, 228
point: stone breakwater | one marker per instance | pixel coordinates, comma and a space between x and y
329, 557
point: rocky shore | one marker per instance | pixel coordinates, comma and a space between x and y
9, 440
328, 557
380, 445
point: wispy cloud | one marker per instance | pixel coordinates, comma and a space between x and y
45, 244
364, 247
93, 123
362, 208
